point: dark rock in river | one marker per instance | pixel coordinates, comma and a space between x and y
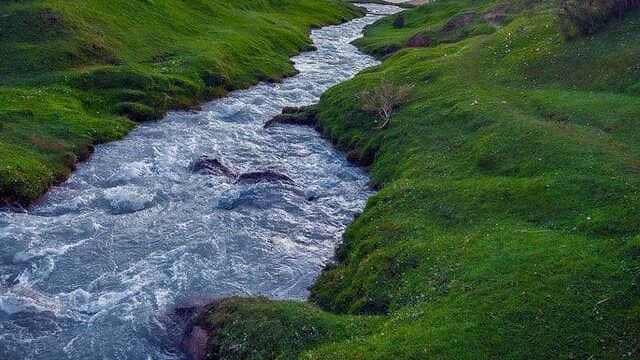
290, 110
305, 115
353, 156
267, 175
212, 166
309, 48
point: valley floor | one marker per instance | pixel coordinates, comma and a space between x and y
507, 223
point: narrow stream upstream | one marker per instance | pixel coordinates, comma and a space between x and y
86, 272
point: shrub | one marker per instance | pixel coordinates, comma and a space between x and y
384, 99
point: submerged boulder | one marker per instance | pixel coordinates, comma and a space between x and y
212, 166
266, 175
305, 115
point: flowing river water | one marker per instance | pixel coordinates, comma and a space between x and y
88, 271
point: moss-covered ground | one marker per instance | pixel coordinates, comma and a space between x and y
507, 225
75, 73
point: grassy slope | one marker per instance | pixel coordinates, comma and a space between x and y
507, 228
70, 71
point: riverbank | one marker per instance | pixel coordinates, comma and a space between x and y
75, 74
506, 225
401, 3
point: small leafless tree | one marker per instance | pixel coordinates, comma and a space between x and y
384, 98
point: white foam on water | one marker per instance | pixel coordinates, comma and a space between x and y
127, 199
27, 255
131, 172
23, 298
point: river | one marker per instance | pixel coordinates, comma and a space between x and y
88, 271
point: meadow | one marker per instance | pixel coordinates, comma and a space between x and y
506, 225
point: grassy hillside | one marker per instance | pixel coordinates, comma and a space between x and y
72, 73
507, 225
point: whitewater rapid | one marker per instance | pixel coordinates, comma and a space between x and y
88, 271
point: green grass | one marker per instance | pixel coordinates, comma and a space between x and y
72, 73
239, 327
507, 225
